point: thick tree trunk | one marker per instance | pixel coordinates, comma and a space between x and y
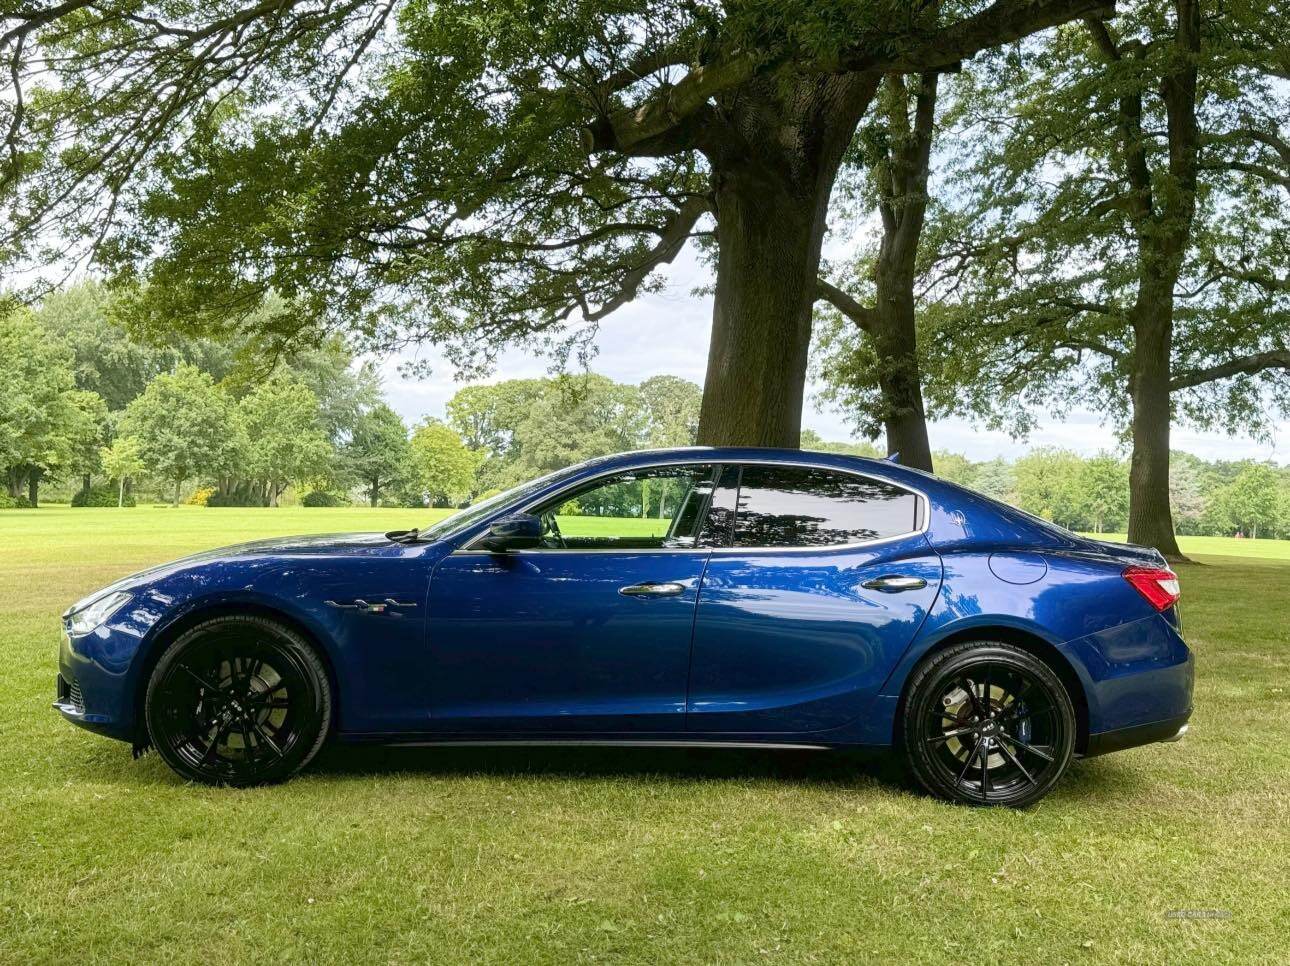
375, 491
175, 501
761, 319
33, 487
774, 165
1162, 220
14, 478
1150, 519
85, 483
900, 381
120, 495
900, 178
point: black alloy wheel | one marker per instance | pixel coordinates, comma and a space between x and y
238, 700
988, 724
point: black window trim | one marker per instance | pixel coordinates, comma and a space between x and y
922, 516
922, 510
583, 486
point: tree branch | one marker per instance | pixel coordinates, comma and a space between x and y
1258, 362
672, 239
1002, 22
1257, 170
861, 315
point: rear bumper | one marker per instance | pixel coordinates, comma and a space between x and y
1138, 679
1170, 729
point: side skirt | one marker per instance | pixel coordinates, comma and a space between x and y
423, 742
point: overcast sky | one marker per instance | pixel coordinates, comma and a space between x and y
668, 333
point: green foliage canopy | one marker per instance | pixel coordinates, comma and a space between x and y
377, 453
439, 464
47, 426
1065, 217
285, 441
186, 426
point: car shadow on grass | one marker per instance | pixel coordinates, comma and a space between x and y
1099, 780
840, 768
1102, 781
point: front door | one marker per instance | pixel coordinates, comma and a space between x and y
826, 581
588, 633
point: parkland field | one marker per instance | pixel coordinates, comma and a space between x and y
1171, 853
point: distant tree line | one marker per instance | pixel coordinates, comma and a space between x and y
86, 407
89, 408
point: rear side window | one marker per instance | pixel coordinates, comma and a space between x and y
793, 506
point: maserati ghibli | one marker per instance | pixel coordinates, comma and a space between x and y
689, 597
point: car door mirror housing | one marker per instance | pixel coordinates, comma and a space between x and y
519, 531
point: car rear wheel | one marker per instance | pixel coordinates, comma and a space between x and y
238, 700
988, 724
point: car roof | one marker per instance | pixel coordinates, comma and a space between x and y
757, 454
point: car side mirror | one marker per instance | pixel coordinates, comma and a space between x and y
519, 531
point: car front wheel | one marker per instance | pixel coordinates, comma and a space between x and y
238, 700
988, 724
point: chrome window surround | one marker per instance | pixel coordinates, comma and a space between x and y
923, 505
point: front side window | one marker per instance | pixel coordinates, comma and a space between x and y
647, 509
793, 506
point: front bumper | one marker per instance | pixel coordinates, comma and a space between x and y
89, 692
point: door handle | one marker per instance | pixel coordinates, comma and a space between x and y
652, 590
894, 584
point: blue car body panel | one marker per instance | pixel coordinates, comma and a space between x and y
545, 640
791, 641
760, 644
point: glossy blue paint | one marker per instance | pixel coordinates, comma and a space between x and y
791, 641
757, 644
540, 640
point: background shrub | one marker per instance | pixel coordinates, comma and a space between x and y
319, 498
201, 496
236, 498
100, 496
8, 502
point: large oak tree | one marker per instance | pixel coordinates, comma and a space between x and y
1123, 240
472, 172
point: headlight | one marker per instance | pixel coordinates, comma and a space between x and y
95, 613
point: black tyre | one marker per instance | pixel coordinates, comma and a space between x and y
238, 701
988, 724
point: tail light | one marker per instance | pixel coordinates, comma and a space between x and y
1157, 585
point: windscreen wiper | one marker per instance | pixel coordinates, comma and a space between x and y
404, 536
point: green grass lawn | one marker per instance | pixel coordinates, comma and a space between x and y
565, 855
1221, 546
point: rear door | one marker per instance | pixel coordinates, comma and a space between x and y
818, 581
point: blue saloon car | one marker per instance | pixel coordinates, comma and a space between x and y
683, 597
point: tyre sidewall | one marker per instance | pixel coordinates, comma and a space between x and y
302, 653
927, 684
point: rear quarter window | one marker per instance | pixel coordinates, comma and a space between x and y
793, 506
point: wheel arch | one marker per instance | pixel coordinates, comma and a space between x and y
204, 611
1033, 644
